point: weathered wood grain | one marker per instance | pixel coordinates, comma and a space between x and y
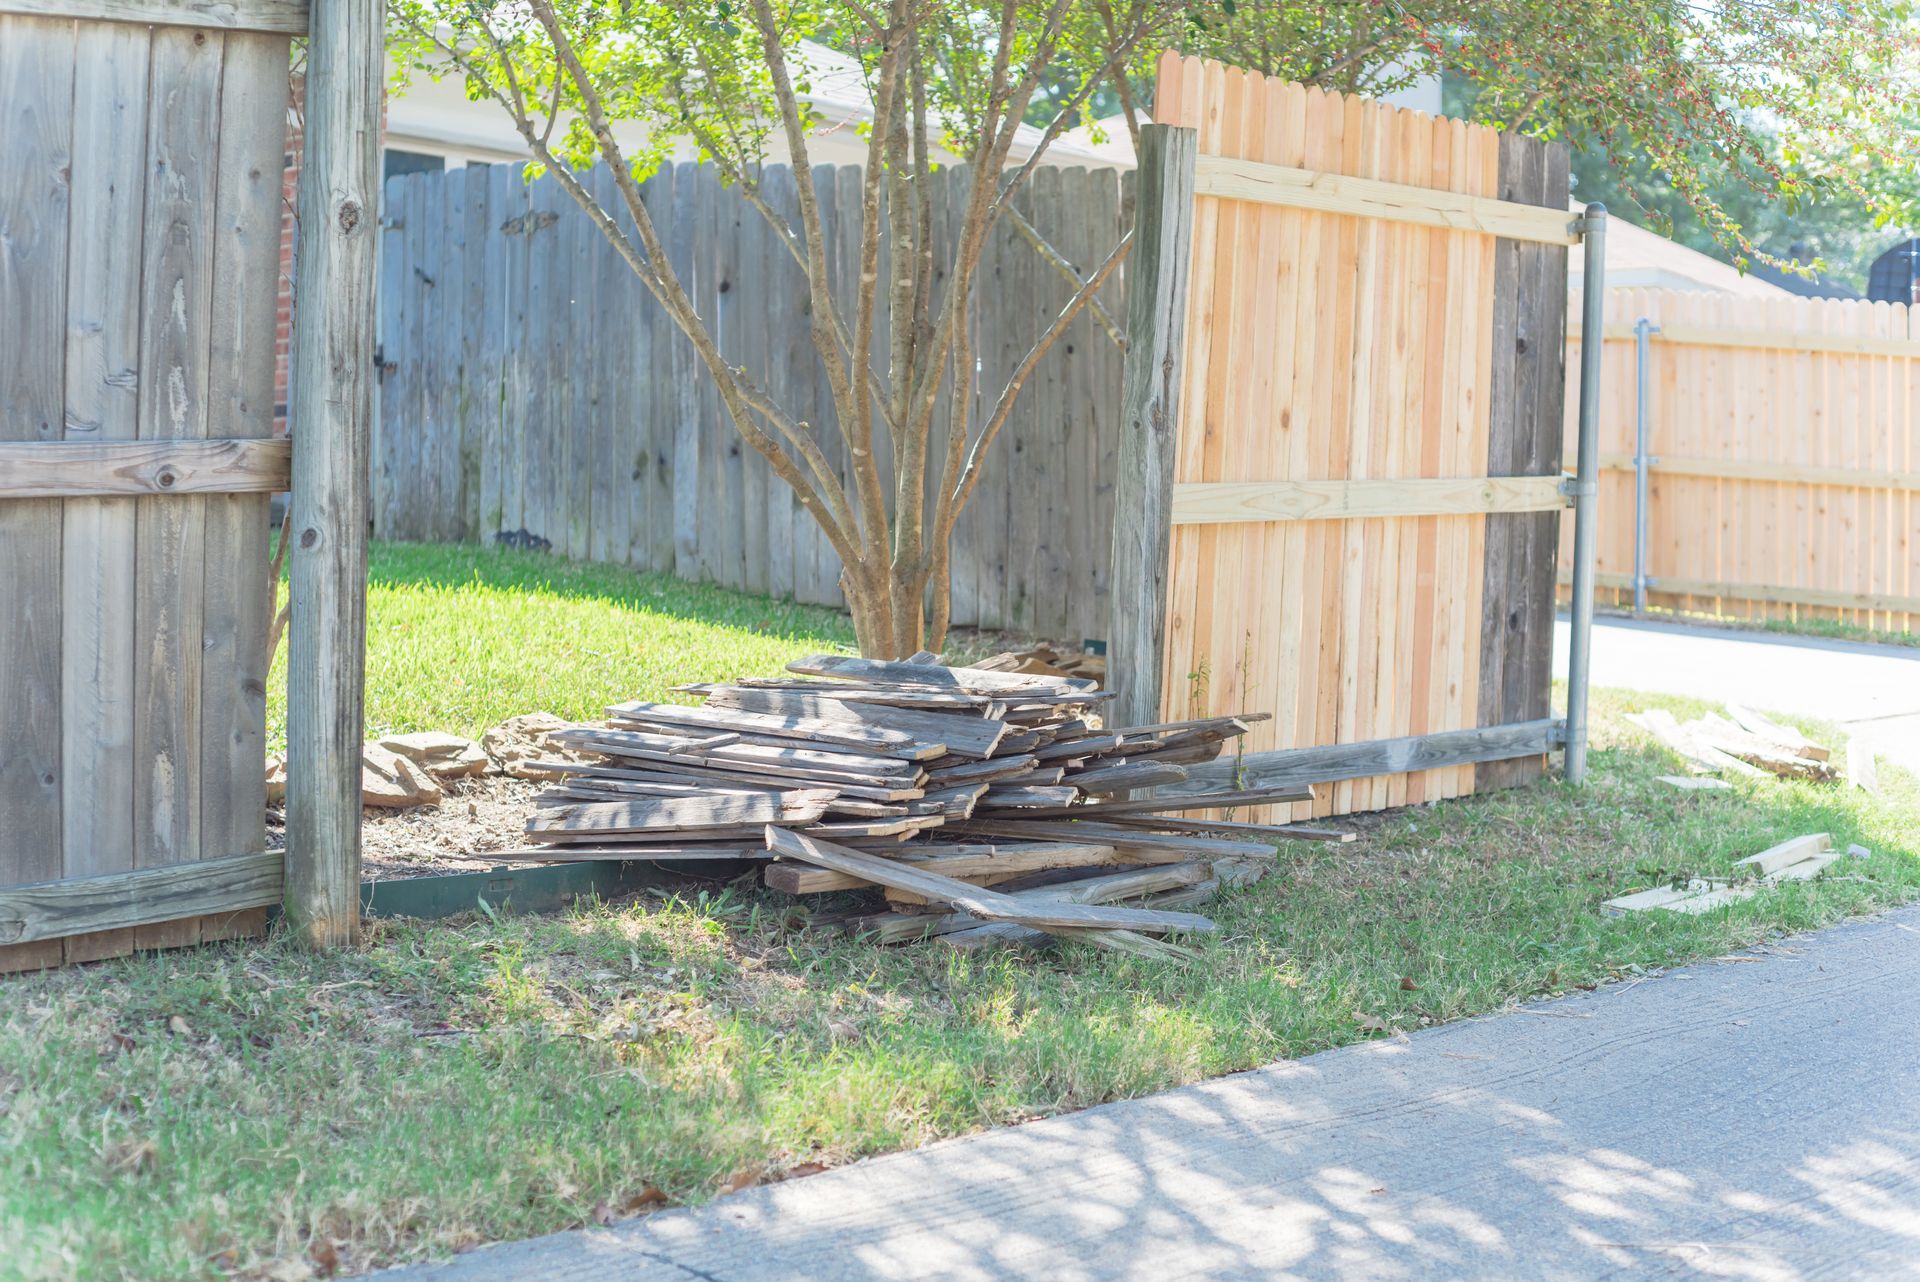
285, 17
1527, 414
37, 119
332, 349
100, 468
1149, 419
147, 896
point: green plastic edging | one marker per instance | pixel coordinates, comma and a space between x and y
536, 889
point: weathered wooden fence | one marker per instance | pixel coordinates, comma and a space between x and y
530, 384
139, 259
1341, 438
1783, 448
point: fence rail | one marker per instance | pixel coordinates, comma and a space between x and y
529, 385
1781, 458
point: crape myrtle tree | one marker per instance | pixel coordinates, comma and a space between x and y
1726, 105
945, 79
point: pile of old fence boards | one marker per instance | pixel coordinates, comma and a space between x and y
841, 775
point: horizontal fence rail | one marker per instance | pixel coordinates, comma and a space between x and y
107, 469
1781, 461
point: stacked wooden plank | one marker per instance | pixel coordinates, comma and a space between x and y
931, 782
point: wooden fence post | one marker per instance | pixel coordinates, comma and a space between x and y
1150, 420
332, 413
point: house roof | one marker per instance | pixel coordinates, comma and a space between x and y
1641, 259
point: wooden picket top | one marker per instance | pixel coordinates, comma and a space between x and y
1785, 439
1366, 463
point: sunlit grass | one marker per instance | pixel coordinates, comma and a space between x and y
242, 1109
462, 637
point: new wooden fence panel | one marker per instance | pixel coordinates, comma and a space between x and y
139, 260
1785, 438
1348, 358
529, 383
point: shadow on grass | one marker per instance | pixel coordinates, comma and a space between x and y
468, 565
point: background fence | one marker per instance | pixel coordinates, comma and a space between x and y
1373, 327
530, 384
1784, 439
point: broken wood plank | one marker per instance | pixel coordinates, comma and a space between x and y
1104, 781
1232, 828
686, 814
967, 680
869, 739
890, 928
1791, 851
964, 734
989, 905
1773, 732
1692, 784
958, 861
1124, 840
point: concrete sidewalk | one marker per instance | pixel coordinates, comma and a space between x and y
1869, 690
1757, 1118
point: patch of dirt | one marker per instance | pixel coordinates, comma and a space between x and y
479, 813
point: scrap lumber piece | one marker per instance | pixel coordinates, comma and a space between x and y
787, 754
1690, 783
896, 927
734, 776
1127, 841
1791, 851
965, 733
1229, 827
1012, 797
1078, 746
969, 680
897, 696
988, 905
1182, 801
1104, 781
670, 853
869, 739
962, 861
1718, 732
942, 775
686, 814
1703, 757
954, 803
1227, 727
1785, 737
1862, 771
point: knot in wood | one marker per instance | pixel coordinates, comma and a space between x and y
309, 537
165, 478
349, 216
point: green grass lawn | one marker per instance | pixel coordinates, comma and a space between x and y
252, 1110
460, 638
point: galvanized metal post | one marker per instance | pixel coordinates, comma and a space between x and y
1643, 329
1586, 484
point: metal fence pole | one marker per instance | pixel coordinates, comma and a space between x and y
1642, 352
1586, 484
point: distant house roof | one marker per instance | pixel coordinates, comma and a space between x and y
1817, 285
1642, 259
437, 118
